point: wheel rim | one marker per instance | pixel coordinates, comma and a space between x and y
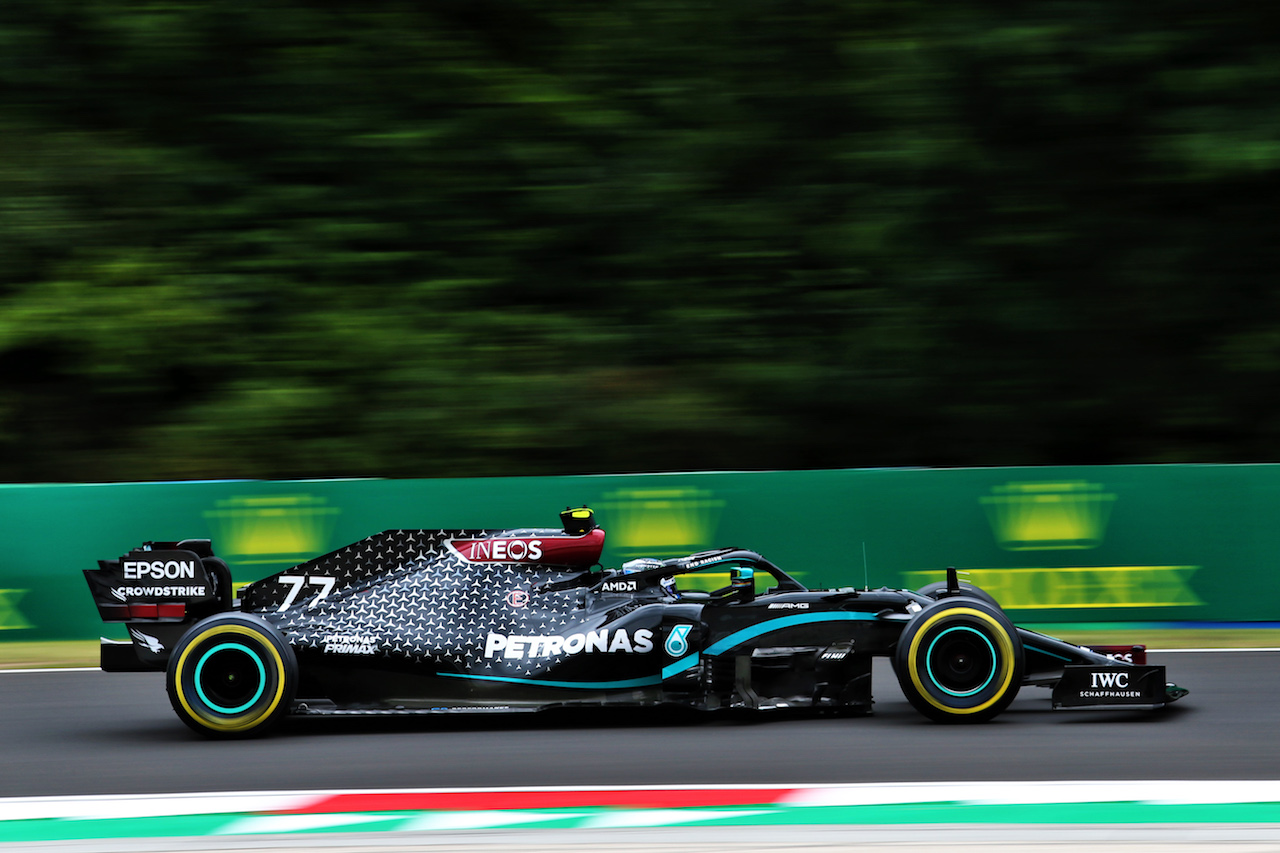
230, 678
957, 659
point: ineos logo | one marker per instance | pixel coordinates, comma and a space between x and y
497, 550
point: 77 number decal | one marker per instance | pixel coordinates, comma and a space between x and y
297, 582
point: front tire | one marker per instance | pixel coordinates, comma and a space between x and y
959, 661
231, 675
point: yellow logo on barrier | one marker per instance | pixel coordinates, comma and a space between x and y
10, 616
274, 529
652, 522
1049, 516
1079, 587
1058, 516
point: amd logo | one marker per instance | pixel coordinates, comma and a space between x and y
1118, 679
619, 586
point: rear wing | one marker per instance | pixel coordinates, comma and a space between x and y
157, 590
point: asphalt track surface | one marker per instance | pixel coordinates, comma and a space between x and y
70, 733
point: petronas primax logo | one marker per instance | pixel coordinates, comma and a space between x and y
661, 522
271, 529
1049, 516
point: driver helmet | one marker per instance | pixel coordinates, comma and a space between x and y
669, 587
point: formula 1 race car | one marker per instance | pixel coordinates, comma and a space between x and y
447, 621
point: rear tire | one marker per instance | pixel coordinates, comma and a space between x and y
231, 675
959, 661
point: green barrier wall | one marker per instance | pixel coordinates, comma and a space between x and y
1125, 543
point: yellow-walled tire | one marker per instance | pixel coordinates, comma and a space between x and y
231, 675
959, 661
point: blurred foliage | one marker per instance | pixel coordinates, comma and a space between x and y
467, 237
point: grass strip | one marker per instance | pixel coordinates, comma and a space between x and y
16, 654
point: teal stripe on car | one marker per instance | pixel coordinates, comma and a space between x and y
737, 638
685, 663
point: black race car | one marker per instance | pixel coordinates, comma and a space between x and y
447, 621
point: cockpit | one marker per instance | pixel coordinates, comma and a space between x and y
724, 576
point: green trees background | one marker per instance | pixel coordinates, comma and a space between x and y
469, 237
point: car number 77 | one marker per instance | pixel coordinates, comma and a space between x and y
295, 584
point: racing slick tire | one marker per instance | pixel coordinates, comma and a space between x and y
934, 590
959, 661
231, 675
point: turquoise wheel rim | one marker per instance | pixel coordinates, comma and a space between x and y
262, 678
960, 694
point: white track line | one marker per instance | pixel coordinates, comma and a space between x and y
1166, 792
